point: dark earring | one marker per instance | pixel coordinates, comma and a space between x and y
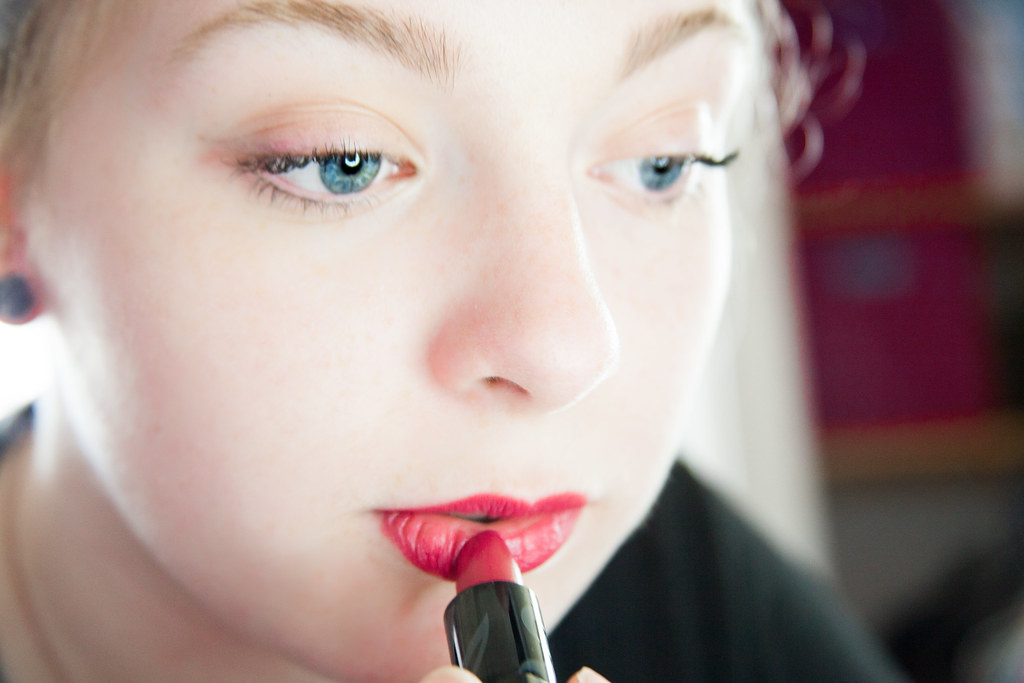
17, 301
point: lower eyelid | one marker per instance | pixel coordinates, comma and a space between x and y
322, 209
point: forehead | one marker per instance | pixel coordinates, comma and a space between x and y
450, 33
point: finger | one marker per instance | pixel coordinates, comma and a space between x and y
586, 675
450, 674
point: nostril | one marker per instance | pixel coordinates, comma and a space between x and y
501, 382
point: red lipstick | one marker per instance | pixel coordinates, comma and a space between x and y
485, 557
493, 624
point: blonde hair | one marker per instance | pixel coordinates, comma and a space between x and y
43, 41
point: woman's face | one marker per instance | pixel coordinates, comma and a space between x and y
308, 268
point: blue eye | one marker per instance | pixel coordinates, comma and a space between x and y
338, 181
348, 173
322, 175
660, 173
659, 177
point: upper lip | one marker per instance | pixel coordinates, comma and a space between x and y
494, 507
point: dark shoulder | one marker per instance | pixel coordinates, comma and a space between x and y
697, 595
656, 612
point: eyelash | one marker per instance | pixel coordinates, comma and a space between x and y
707, 160
264, 167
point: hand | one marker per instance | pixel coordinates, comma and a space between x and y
451, 674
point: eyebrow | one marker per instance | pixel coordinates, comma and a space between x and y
666, 33
409, 41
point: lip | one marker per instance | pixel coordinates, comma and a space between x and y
430, 538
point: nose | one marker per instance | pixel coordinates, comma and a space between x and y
531, 330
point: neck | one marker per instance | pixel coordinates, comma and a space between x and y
81, 599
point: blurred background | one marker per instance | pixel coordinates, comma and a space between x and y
884, 352
866, 406
909, 245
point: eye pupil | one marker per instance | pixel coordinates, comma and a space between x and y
352, 161
661, 164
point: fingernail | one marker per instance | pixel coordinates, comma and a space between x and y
588, 675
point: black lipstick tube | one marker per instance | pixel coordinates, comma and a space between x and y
495, 631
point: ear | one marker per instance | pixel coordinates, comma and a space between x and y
19, 302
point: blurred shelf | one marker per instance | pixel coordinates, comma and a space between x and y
987, 445
902, 204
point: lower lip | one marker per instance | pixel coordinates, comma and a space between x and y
431, 541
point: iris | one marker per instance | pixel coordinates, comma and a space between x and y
350, 172
660, 173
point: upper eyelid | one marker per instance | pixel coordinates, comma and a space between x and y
301, 129
282, 164
688, 159
274, 164
678, 126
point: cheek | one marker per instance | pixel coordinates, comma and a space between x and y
226, 384
669, 318
667, 290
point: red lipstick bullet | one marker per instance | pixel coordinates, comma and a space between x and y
494, 625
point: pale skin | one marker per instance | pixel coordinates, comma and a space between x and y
243, 378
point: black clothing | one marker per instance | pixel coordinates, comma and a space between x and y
696, 595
